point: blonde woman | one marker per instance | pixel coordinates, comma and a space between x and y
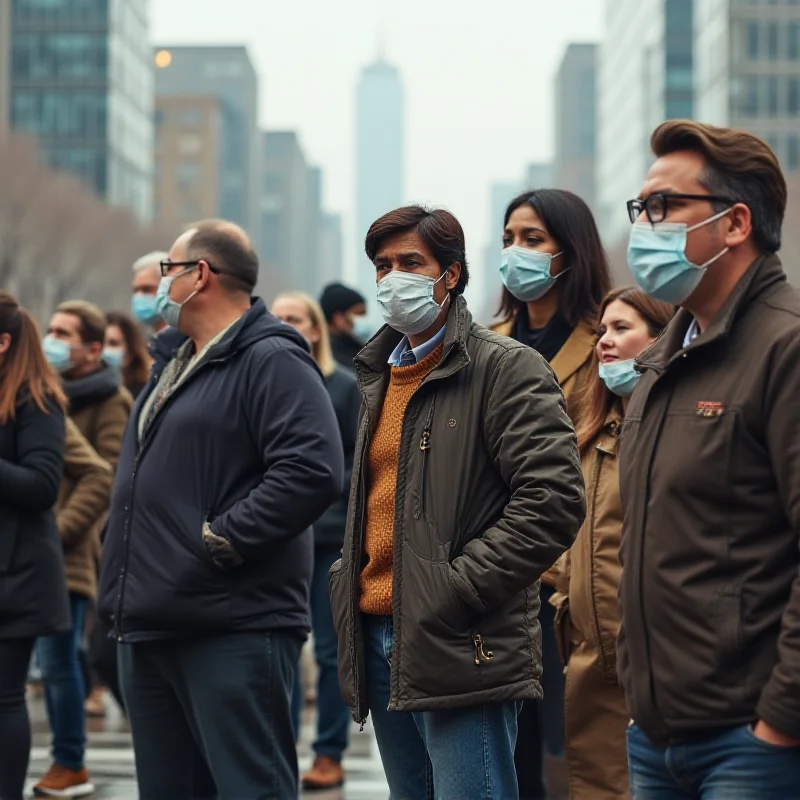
304, 314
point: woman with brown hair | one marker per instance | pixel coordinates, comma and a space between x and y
555, 274
33, 589
125, 348
595, 714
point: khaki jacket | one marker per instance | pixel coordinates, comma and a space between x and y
102, 425
595, 715
82, 499
571, 365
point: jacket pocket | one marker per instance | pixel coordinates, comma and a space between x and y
340, 599
728, 622
562, 626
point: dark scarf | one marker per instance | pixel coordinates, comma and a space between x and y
548, 340
93, 388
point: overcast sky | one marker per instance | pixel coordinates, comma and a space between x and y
477, 75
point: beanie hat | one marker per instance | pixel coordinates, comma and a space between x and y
337, 297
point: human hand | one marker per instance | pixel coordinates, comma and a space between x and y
769, 735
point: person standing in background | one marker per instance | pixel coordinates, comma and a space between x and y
146, 277
555, 275
595, 716
303, 313
100, 408
349, 329
126, 350
33, 588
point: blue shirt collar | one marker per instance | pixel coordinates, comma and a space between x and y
424, 350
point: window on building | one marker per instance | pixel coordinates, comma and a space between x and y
190, 117
187, 173
190, 145
748, 96
793, 97
793, 41
792, 152
773, 96
773, 52
159, 116
752, 40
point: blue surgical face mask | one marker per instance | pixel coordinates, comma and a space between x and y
526, 273
169, 310
144, 308
657, 259
114, 356
58, 353
620, 376
362, 328
406, 301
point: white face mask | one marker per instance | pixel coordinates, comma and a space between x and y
406, 301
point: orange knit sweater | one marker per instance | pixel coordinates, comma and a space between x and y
376, 577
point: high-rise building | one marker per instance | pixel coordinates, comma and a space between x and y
645, 77
226, 73
330, 250
379, 154
539, 175
748, 70
187, 149
78, 76
575, 138
315, 224
287, 244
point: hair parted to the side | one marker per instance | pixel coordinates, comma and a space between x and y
320, 350
25, 374
136, 372
570, 222
439, 229
597, 398
92, 320
738, 165
226, 247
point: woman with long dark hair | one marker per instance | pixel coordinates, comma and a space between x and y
126, 349
555, 275
33, 588
595, 715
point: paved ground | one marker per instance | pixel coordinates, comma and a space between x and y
110, 760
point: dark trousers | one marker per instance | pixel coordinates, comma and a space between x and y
541, 722
333, 716
103, 660
15, 728
210, 716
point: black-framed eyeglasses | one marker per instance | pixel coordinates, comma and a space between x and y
656, 206
168, 265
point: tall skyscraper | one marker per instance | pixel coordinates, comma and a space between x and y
227, 74
379, 155
576, 122
646, 76
78, 76
330, 250
748, 70
187, 146
539, 175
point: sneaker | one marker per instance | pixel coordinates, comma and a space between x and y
63, 782
95, 705
325, 774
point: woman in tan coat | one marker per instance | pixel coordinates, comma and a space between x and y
555, 275
588, 623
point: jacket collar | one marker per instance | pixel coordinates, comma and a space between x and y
577, 350
373, 360
762, 276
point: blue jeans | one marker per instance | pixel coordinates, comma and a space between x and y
65, 692
210, 715
333, 716
733, 765
455, 754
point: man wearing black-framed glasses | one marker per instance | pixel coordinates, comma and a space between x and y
709, 646
232, 454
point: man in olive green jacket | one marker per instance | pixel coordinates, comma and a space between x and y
466, 487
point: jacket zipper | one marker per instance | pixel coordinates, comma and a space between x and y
425, 446
480, 653
123, 572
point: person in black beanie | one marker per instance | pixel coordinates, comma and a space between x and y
345, 312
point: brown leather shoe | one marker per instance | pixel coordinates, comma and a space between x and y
63, 782
325, 774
